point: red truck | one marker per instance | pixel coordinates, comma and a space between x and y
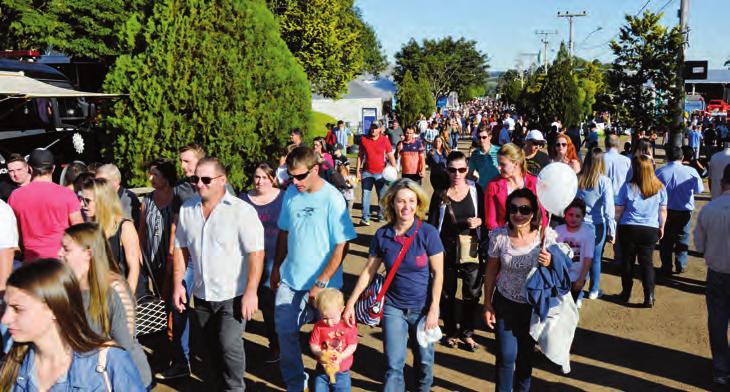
717, 107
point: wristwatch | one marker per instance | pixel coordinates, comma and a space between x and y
320, 284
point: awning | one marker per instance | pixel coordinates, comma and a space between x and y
17, 85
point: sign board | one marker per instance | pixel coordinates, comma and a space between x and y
369, 115
441, 102
695, 70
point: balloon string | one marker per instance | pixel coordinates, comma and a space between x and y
543, 231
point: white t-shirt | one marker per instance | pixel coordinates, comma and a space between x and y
582, 242
8, 227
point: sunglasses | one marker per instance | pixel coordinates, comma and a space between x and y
205, 180
523, 210
85, 200
561, 144
483, 137
299, 177
453, 170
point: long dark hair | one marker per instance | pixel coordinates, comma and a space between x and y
52, 282
525, 193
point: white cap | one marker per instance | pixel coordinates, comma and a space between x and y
535, 135
424, 337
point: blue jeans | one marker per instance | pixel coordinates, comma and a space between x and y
181, 325
291, 311
368, 180
595, 272
399, 326
675, 240
718, 313
515, 346
342, 383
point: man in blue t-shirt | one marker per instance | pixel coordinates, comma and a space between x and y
314, 226
483, 161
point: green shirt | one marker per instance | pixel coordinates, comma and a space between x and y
485, 163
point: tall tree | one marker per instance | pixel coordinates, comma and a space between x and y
446, 65
325, 37
413, 99
209, 71
86, 29
645, 71
509, 85
559, 94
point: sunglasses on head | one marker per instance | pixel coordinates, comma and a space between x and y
523, 210
299, 177
205, 180
453, 170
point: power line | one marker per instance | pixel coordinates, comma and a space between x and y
616, 35
664, 6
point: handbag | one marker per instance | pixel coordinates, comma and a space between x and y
369, 306
468, 243
151, 310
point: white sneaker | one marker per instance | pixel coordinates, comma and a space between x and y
579, 303
595, 294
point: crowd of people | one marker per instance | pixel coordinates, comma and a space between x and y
75, 256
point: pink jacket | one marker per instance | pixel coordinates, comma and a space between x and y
495, 200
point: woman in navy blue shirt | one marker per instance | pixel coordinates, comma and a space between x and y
641, 211
415, 291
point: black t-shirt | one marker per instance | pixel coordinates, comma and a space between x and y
6, 188
463, 210
536, 163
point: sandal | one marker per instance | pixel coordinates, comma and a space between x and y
470, 344
451, 342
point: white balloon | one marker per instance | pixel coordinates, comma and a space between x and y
390, 174
557, 185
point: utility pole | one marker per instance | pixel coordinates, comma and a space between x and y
678, 138
545, 42
570, 17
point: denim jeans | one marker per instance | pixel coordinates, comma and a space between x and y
675, 240
342, 383
180, 349
218, 326
399, 327
595, 272
515, 346
368, 180
718, 313
291, 311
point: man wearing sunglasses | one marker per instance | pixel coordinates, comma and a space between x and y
315, 227
223, 238
483, 161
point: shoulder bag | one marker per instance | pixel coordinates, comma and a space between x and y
151, 313
369, 307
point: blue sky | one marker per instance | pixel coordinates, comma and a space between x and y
505, 29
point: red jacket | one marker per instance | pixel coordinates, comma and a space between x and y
495, 200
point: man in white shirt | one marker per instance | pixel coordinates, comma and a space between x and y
718, 162
8, 246
711, 238
223, 238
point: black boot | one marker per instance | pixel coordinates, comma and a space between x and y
649, 300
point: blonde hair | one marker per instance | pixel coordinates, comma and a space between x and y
594, 168
108, 208
514, 154
102, 270
327, 298
388, 199
643, 177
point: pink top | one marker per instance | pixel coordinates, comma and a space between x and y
42, 210
495, 200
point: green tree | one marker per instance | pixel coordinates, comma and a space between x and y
413, 98
374, 60
559, 94
509, 85
446, 65
86, 29
209, 71
645, 72
325, 36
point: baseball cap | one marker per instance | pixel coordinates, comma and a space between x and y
40, 158
535, 136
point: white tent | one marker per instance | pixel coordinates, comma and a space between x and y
17, 85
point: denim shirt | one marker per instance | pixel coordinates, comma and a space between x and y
82, 374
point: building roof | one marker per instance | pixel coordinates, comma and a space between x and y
714, 76
366, 86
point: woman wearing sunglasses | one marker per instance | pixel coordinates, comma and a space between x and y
159, 211
513, 175
457, 213
513, 251
565, 152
